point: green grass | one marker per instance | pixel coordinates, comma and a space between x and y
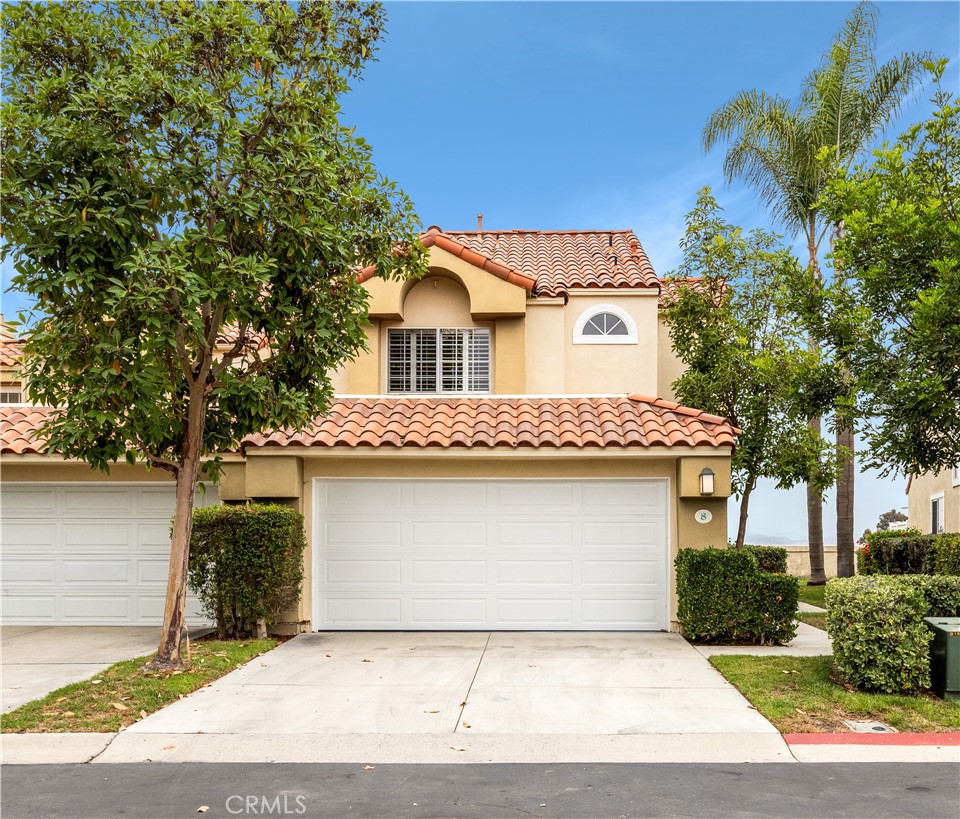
805, 695
124, 693
813, 618
812, 594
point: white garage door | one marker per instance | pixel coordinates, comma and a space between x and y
88, 554
490, 554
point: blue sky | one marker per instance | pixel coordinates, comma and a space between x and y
588, 115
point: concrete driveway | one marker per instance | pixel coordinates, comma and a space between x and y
35, 660
468, 684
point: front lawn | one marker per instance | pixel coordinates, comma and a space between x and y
123, 694
812, 594
816, 619
799, 695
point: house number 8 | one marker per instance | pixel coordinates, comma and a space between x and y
703, 516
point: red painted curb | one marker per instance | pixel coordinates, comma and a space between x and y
873, 739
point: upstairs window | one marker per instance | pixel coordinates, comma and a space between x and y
605, 324
10, 395
438, 361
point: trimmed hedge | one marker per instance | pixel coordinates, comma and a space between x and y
723, 596
880, 641
246, 564
772, 559
909, 552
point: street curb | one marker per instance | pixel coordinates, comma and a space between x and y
903, 739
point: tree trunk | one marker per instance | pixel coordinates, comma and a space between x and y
846, 564
168, 652
818, 575
744, 504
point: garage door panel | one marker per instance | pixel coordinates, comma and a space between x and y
359, 611
103, 536
95, 554
103, 607
611, 496
539, 554
20, 570
30, 608
448, 494
525, 533
18, 502
362, 573
363, 532
359, 496
448, 613
95, 570
534, 494
601, 534
608, 613
538, 611
152, 572
99, 501
152, 537
613, 572
32, 537
450, 571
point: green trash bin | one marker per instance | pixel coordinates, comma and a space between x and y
945, 656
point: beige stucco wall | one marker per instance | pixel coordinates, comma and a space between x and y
55, 470
544, 350
922, 487
669, 365
684, 530
612, 368
490, 296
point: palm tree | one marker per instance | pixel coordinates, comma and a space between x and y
775, 147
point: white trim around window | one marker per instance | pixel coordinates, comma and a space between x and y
955, 476
936, 513
605, 324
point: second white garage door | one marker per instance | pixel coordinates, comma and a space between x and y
490, 554
88, 554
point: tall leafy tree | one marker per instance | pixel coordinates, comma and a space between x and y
775, 146
184, 204
728, 321
894, 308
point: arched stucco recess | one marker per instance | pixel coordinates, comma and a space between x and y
490, 297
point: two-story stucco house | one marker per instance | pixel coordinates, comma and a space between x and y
506, 455
934, 501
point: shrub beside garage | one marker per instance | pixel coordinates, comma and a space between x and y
723, 596
246, 564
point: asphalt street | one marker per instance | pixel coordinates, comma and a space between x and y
490, 791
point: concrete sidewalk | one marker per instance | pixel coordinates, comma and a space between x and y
36, 660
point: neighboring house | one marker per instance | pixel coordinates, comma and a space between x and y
504, 456
11, 384
934, 501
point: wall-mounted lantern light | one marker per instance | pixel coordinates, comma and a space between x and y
706, 481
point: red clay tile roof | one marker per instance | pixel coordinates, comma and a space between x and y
18, 427
561, 260
482, 422
10, 350
622, 422
549, 262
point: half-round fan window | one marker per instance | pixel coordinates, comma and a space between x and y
605, 324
